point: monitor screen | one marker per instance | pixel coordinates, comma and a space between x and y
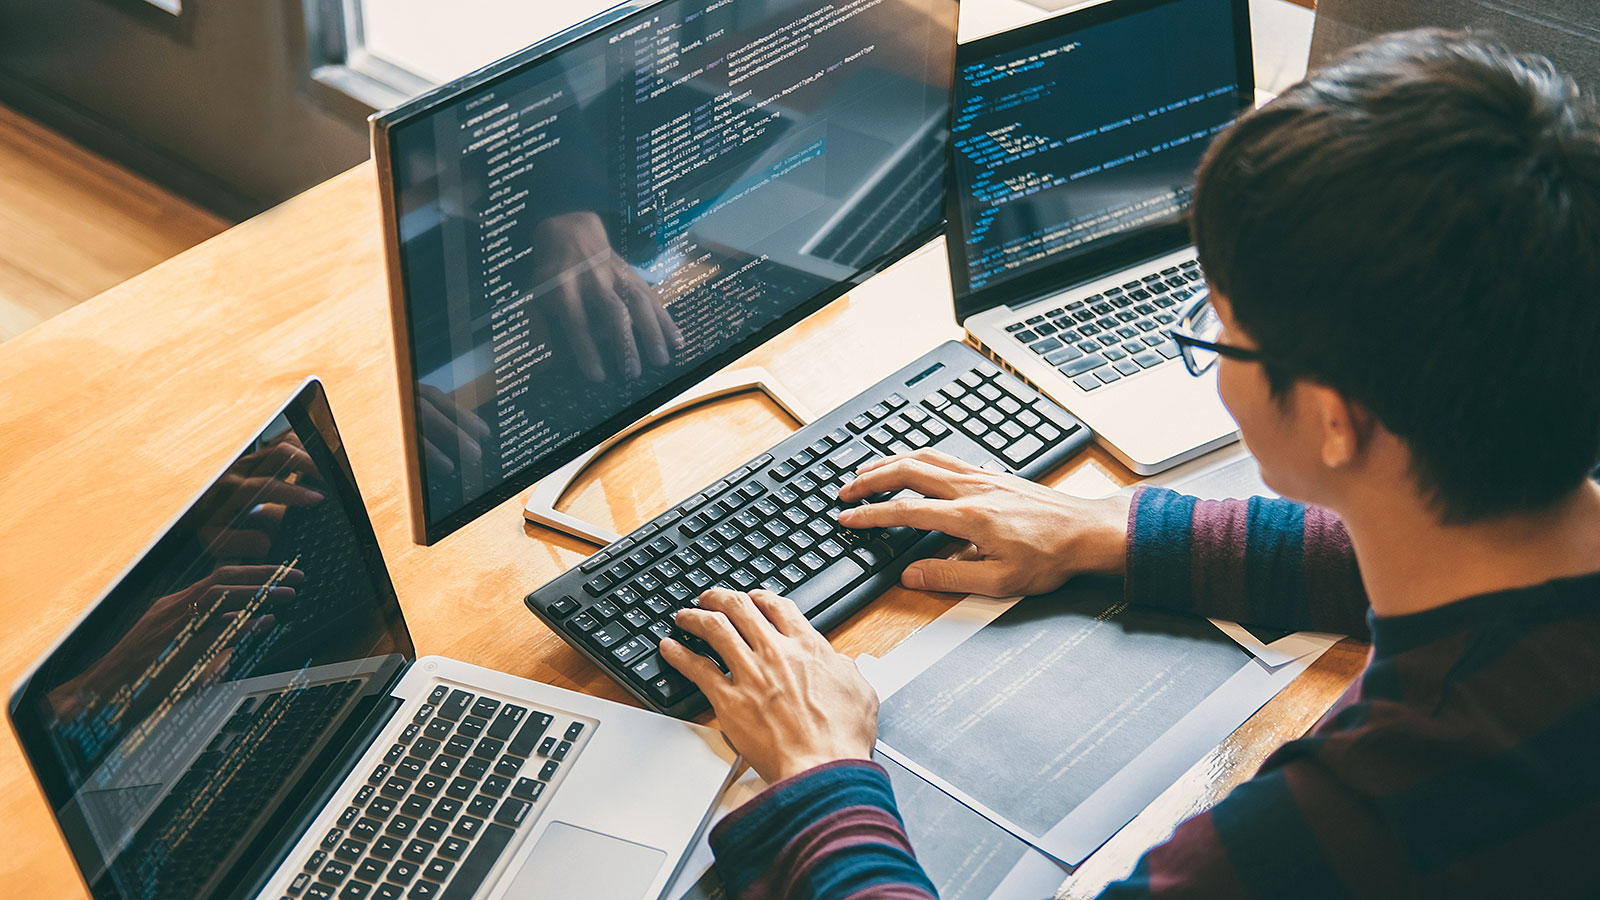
1065, 147
584, 231
176, 727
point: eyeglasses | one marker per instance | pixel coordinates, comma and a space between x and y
1196, 333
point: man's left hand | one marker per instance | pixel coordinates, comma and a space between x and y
789, 702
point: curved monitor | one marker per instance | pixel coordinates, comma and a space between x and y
582, 231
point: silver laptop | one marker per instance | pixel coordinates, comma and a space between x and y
1074, 145
242, 714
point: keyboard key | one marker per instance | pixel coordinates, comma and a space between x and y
512, 811
1078, 367
429, 785
1087, 382
355, 890
495, 785
467, 826
402, 872
480, 861
401, 826
423, 890
385, 847
417, 851
528, 789
1023, 450
350, 850
455, 707
453, 847
610, 635
532, 729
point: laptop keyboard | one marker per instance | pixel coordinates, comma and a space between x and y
436, 814
771, 522
1115, 334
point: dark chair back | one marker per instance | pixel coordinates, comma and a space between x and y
1567, 31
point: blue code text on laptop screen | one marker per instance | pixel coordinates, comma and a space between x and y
1093, 135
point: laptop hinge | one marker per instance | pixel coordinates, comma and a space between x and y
1100, 272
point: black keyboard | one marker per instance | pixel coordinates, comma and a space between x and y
771, 522
460, 779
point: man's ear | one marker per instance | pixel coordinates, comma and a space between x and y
1345, 427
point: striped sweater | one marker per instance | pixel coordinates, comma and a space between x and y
1464, 762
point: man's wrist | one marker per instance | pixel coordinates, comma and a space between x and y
1100, 543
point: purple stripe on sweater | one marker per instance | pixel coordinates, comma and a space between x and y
840, 830
756, 802
1328, 558
1217, 549
1193, 863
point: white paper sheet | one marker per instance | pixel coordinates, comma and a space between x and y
1104, 811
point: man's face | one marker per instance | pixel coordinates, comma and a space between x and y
1279, 431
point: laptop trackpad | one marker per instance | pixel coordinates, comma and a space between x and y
578, 864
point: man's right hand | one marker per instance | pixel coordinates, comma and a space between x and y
1025, 538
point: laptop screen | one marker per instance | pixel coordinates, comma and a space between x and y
176, 727
1083, 132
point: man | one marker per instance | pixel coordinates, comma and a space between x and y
1403, 253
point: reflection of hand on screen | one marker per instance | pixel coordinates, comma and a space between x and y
216, 601
450, 431
242, 510
608, 313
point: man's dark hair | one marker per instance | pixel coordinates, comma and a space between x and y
1417, 226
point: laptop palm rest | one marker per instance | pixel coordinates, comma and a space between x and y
578, 864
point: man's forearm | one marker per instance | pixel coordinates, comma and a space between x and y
1261, 561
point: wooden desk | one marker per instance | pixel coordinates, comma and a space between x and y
116, 412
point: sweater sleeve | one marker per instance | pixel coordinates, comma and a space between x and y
832, 833
1261, 561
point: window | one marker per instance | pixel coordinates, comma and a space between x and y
381, 52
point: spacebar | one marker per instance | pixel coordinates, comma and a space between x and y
490, 845
826, 584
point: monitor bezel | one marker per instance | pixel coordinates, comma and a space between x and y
309, 405
426, 532
1117, 253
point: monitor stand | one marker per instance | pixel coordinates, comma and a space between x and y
541, 506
